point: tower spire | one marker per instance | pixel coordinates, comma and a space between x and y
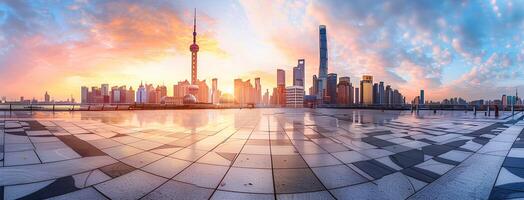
194, 27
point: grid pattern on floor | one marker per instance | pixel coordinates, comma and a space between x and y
272, 155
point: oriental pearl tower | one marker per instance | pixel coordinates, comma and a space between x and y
194, 51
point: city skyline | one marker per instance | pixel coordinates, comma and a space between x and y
50, 47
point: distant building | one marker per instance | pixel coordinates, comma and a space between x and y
344, 91
298, 73
281, 77
376, 94
266, 98
244, 92
295, 96
281, 88
422, 99
389, 95
366, 90
314, 86
215, 93
47, 98
332, 88
357, 96
258, 91
141, 94
381, 93
84, 92
323, 68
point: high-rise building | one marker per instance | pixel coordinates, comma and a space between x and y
381, 91
141, 94
258, 91
343, 91
389, 95
298, 73
332, 88
281, 77
115, 95
266, 97
323, 67
422, 100
181, 89
357, 96
215, 93
244, 92
366, 90
504, 100
295, 96
314, 86
130, 95
47, 98
375, 94
84, 92
104, 89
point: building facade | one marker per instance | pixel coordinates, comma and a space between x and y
295, 96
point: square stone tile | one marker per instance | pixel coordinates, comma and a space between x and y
288, 161
166, 167
226, 195
350, 156
179, 190
122, 151
209, 176
296, 180
52, 155
248, 180
338, 176
320, 160
133, 185
20, 158
253, 161
141, 159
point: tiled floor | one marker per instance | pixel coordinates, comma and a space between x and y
261, 154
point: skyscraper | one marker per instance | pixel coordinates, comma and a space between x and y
84, 92
375, 94
194, 51
323, 66
47, 98
343, 91
381, 92
366, 90
215, 93
357, 96
244, 92
281, 77
422, 100
104, 88
298, 73
141, 94
389, 95
314, 86
258, 91
332, 88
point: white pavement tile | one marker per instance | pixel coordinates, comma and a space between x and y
248, 180
132, 185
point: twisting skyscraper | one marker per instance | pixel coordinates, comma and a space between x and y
194, 50
323, 68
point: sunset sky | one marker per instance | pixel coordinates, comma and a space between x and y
472, 49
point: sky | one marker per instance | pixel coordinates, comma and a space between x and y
472, 49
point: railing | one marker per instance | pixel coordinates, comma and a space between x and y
108, 106
149, 106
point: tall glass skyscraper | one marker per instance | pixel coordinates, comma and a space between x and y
332, 88
323, 68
